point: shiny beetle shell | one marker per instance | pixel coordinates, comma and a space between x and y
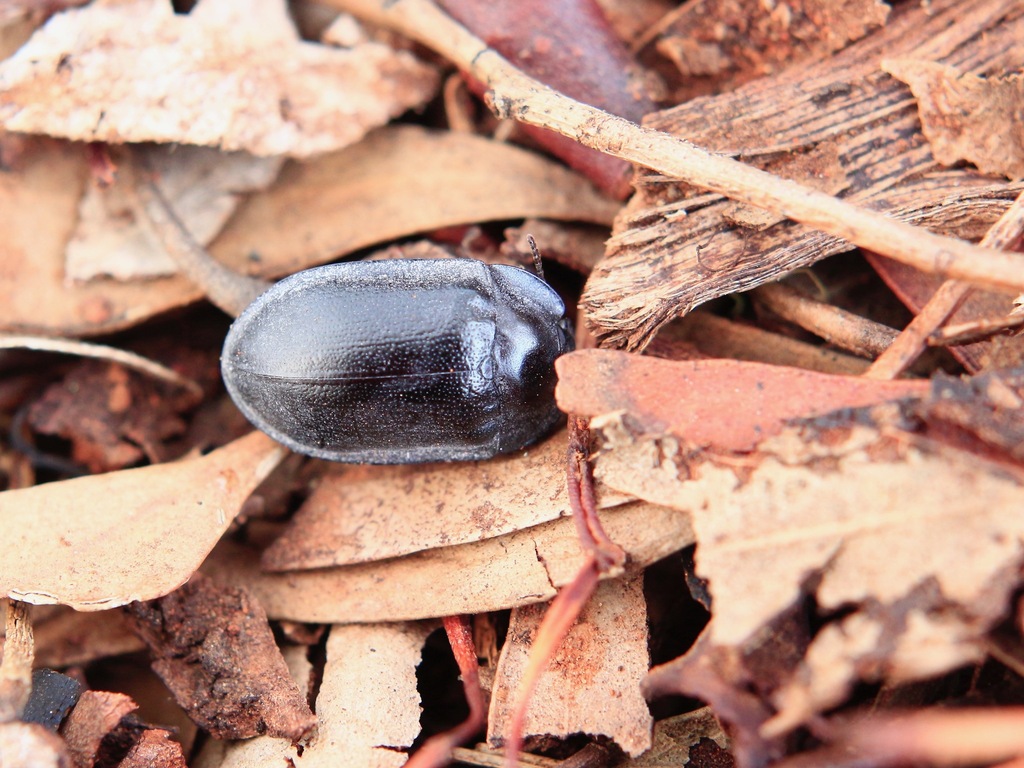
400, 361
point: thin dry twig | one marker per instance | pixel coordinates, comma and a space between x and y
976, 330
513, 94
940, 737
101, 352
229, 290
16, 666
913, 340
843, 329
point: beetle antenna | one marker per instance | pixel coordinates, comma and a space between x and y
536, 256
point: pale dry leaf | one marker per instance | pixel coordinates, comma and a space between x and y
105, 540
967, 117
913, 543
515, 569
28, 744
592, 684
918, 541
397, 182
229, 74
368, 706
202, 185
372, 513
345, 31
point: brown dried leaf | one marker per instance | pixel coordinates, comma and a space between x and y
216, 653
723, 404
915, 288
232, 75
368, 706
915, 537
112, 416
967, 117
592, 684
373, 513
569, 46
203, 187
154, 749
515, 569
397, 182
936, 736
95, 717
102, 541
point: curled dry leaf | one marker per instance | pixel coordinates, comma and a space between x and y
592, 683
106, 540
397, 182
967, 117
373, 513
215, 651
203, 186
229, 74
515, 569
96, 716
885, 512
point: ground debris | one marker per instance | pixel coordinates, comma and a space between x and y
967, 117
895, 525
137, 71
214, 650
675, 246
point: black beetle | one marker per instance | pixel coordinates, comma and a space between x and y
400, 361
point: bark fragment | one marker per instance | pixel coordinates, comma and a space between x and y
216, 653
